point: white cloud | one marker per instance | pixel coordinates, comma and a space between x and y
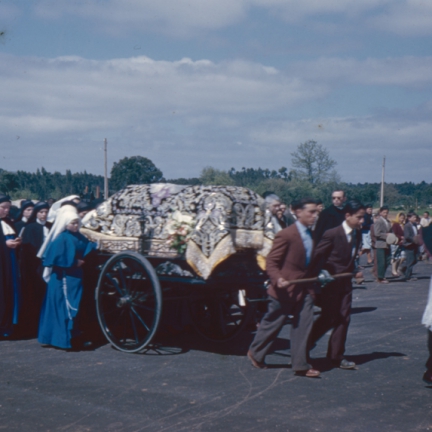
402, 71
357, 144
405, 18
119, 92
187, 114
170, 16
186, 17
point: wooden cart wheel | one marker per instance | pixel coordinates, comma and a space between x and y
128, 301
220, 316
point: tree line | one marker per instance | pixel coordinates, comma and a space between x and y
312, 174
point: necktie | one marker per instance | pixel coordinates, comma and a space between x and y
308, 245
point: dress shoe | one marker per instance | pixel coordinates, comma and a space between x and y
344, 364
427, 377
310, 373
255, 363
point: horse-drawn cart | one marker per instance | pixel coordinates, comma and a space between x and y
204, 246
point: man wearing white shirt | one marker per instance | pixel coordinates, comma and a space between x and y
336, 253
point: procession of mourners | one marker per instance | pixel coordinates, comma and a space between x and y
44, 254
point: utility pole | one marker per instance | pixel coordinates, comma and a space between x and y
106, 170
382, 183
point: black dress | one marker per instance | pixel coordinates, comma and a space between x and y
9, 284
33, 285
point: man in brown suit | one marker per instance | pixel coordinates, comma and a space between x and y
288, 260
336, 253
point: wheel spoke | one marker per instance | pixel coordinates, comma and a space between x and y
122, 276
143, 307
139, 318
115, 284
133, 326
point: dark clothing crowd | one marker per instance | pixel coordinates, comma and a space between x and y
41, 269
312, 263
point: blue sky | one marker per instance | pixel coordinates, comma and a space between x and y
226, 83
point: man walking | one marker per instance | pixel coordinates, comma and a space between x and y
336, 253
332, 216
410, 245
382, 228
288, 260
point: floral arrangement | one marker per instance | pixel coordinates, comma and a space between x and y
179, 229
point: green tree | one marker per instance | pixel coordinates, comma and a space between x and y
8, 182
313, 163
213, 176
134, 170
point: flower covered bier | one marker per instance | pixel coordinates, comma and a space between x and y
206, 224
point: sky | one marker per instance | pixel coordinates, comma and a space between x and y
222, 83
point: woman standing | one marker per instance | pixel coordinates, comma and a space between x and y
9, 274
23, 216
366, 234
397, 252
63, 255
33, 286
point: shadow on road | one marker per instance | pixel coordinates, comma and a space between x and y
358, 310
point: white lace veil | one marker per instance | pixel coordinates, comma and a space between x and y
57, 206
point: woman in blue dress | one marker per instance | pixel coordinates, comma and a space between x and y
9, 273
63, 254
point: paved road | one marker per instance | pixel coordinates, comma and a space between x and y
191, 385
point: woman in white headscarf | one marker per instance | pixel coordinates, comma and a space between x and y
55, 208
427, 322
62, 254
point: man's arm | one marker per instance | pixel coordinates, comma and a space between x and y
276, 257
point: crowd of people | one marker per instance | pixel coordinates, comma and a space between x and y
315, 256
43, 252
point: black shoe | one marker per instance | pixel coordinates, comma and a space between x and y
344, 364
427, 377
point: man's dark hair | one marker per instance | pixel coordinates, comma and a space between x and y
383, 208
339, 190
426, 212
302, 203
411, 214
353, 206
318, 201
368, 206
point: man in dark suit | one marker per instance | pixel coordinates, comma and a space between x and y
288, 260
410, 245
336, 253
332, 216
290, 217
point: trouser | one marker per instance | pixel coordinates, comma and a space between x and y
411, 260
336, 315
429, 360
383, 261
274, 320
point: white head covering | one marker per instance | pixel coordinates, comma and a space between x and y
57, 205
64, 217
427, 315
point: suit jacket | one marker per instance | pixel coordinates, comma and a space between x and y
334, 254
381, 230
329, 218
287, 259
289, 217
409, 235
